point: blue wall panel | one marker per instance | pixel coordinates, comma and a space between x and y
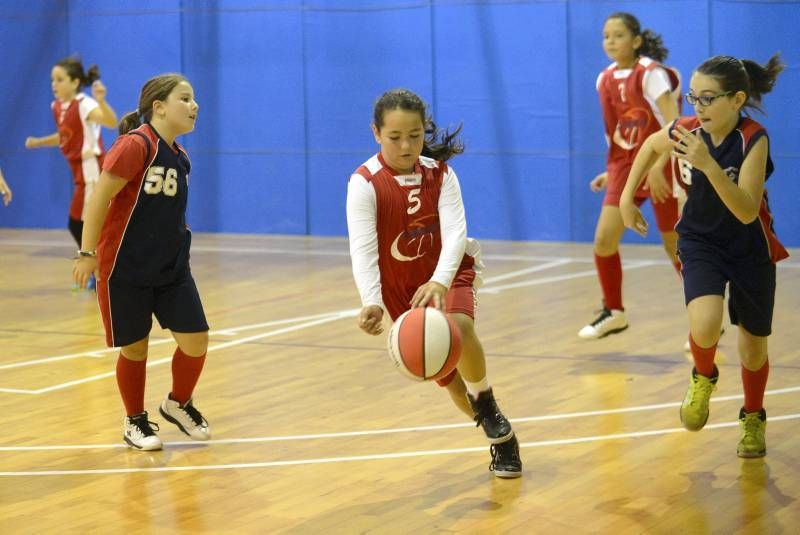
286, 89
506, 83
748, 30
351, 57
245, 64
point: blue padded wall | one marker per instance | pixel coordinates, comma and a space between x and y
286, 89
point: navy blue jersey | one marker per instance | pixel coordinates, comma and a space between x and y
706, 218
145, 239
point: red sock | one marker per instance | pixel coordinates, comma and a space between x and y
131, 376
754, 383
703, 357
185, 373
609, 271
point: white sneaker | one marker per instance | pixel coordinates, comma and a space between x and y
186, 417
608, 322
138, 432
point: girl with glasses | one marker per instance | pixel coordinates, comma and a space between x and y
637, 95
726, 235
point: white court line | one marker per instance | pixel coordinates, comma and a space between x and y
63, 244
372, 432
634, 264
329, 318
230, 332
235, 330
534, 269
380, 456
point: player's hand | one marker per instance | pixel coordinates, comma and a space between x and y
82, 269
430, 292
658, 185
692, 148
370, 319
5, 191
599, 182
30, 142
99, 91
632, 217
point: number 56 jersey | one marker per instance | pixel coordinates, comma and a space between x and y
145, 240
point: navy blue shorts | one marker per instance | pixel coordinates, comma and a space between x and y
706, 270
128, 310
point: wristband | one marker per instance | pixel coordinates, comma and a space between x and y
90, 254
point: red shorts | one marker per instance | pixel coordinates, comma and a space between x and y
666, 212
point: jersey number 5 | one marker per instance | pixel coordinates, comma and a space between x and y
157, 181
413, 198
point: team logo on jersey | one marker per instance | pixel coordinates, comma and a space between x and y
630, 127
421, 237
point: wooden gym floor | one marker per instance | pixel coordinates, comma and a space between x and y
315, 432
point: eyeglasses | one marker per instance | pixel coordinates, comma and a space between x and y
705, 100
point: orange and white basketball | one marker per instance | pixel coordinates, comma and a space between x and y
424, 344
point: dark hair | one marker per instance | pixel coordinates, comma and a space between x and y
74, 68
439, 144
652, 45
745, 75
157, 88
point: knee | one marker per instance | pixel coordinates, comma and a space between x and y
136, 351
752, 358
605, 244
705, 334
196, 344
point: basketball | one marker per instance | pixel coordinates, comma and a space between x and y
424, 344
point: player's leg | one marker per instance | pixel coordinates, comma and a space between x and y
460, 306
607, 236
751, 304
704, 281
127, 311
138, 431
179, 309
455, 386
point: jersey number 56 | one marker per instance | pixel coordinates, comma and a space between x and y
158, 181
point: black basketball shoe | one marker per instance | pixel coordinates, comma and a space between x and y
488, 416
506, 462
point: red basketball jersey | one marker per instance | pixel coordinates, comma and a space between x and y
628, 115
76, 133
409, 236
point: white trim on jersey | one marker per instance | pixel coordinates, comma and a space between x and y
453, 225
91, 130
655, 83
362, 221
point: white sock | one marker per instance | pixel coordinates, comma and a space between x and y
476, 388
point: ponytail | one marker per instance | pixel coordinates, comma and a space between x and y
653, 46
441, 144
130, 121
745, 75
762, 78
92, 75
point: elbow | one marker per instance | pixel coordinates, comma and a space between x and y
748, 218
